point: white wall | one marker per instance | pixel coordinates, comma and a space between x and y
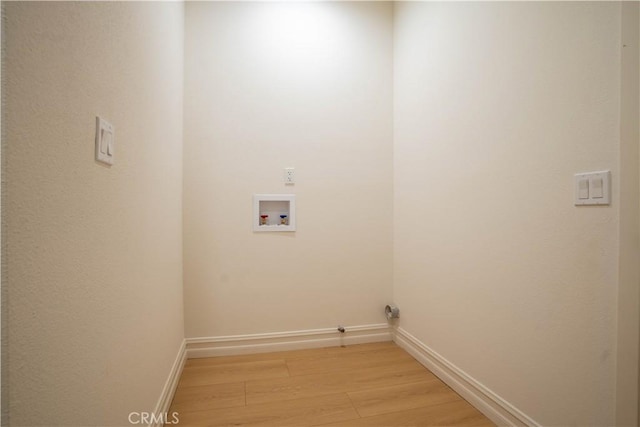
94, 254
275, 85
497, 105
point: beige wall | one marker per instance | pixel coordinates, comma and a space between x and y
94, 254
275, 85
629, 267
3, 299
497, 105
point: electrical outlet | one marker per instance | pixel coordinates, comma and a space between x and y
289, 176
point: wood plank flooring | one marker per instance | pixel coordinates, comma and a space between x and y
375, 384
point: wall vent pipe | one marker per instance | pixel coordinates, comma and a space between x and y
392, 312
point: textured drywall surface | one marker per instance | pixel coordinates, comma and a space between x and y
629, 231
497, 106
275, 85
94, 258
3, 298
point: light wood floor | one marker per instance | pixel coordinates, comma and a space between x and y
360, 385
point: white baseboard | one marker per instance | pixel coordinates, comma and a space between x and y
284, 341
486, 401
490, 404
169, 389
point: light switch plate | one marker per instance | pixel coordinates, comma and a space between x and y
592, 188
105, 140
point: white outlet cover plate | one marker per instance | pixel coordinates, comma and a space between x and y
289, 176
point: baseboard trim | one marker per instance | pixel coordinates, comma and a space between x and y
284, 341
169, 389
486, 401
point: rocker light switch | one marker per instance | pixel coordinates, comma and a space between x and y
105, 133
583, 188
596, 188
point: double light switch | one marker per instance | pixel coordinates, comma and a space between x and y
592, 188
